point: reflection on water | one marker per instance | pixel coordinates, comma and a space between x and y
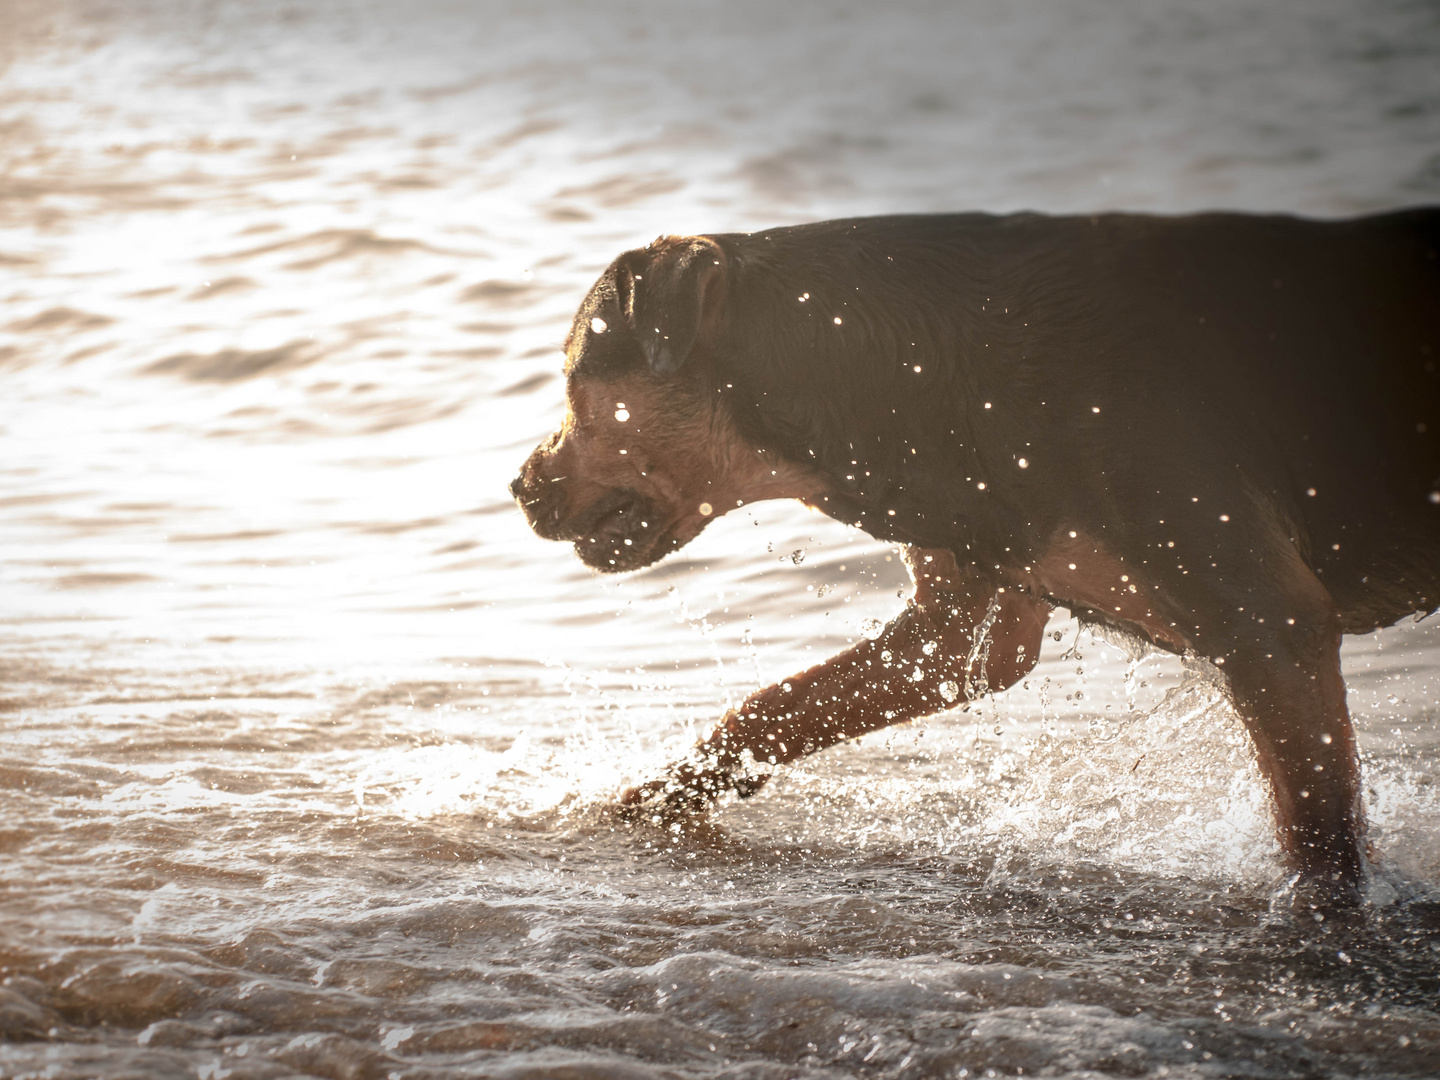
307, 740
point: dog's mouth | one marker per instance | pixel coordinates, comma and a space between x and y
627, 530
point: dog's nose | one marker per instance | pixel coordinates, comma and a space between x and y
542, 500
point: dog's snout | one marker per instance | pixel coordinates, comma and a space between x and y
543, 500
530, 483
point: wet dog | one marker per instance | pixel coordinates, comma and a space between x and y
1219, 432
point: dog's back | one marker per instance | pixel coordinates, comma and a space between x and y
1226, 354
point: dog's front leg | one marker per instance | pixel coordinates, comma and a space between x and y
1293, 703
1274, 627
959, 637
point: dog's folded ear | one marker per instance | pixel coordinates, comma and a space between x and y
676, 290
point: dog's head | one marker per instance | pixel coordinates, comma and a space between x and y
647, 455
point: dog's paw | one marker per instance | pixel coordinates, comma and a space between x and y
690, 788
667, 796
1323, 898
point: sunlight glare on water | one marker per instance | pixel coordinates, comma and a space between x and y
309, 742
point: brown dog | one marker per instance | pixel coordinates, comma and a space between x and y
1220, 433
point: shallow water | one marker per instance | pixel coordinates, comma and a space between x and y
307, 741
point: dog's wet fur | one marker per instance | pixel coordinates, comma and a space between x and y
1220, 433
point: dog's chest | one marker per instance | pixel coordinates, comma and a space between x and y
1082, 574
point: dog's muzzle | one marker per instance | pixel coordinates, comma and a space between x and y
544, 501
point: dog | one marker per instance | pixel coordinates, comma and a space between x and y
1218, 432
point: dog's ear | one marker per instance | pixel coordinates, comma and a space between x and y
675, 293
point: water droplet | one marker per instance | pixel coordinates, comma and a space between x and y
622, 414
872, 628
797, 556
706, 509
949, 690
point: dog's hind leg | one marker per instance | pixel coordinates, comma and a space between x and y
959, 637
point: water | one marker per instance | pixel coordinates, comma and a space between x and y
307, 741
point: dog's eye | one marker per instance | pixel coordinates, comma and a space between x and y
598, 325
